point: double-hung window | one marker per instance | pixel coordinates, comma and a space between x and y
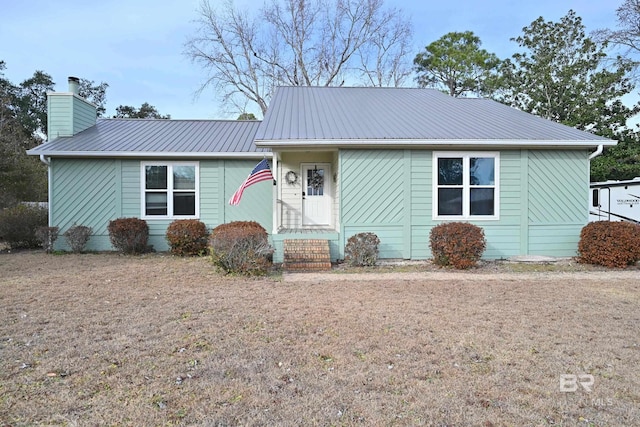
465, 185
170, 190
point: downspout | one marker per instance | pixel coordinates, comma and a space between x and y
47, 161
597, 152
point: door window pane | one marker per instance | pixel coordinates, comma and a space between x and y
184, 178
155, 177
315, 182
450, 201
450, 171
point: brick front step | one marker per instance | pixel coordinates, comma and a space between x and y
306, 255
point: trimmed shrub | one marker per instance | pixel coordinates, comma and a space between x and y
47, 236
241, 247
187, 237
611, 244
457, 244
77, 237
362, 249
129, 235
18, 225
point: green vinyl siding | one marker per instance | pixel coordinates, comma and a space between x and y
59, 118
543, 201
84, 115
257, 200
372, 197
93, 192
83, 193
68, 115
557, 201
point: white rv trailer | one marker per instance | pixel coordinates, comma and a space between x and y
615, 201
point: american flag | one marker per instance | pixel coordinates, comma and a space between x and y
261, 172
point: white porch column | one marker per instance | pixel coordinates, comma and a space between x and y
276, 177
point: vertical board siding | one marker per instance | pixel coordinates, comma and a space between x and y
73, 181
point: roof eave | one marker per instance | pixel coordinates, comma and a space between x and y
435, 143
151, 154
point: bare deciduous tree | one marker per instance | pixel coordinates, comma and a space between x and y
628, 32
300, 43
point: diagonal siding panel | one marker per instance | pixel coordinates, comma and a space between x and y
558, 187
372, 187
72, 181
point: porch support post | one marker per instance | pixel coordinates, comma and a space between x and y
274, 208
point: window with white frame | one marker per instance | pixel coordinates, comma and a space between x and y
465, 185
170, 190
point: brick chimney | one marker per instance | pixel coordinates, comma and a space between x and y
68, 113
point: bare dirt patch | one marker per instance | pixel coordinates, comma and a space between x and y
103, 339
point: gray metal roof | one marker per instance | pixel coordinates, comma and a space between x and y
159, 138
404, 116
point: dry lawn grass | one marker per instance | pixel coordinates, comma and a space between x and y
157, 340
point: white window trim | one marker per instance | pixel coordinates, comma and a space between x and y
466, 187
170, 166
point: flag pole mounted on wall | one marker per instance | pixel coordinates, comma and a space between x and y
260, 173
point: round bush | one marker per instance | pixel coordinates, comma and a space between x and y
457, 244
611, 244
18, 225
362, 249
129, 235
77, 237
241, 247
187, 237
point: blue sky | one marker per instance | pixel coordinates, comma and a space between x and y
137, 45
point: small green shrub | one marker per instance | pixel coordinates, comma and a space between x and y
187, 237
129, 235
241, 247
77, 237
47, 236
362, 249
611, 244
457, 244
18, 225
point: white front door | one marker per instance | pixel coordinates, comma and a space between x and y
316, 196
